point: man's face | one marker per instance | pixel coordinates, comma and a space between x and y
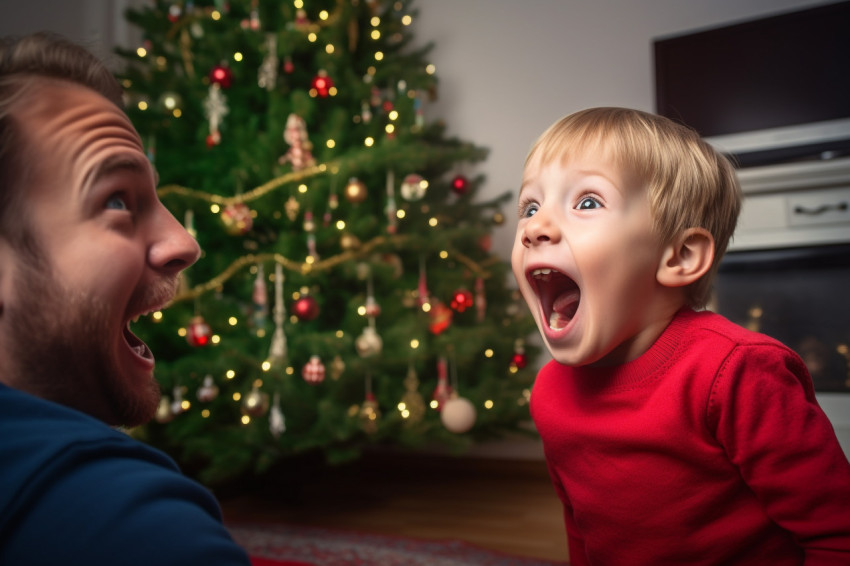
585, 258
111, 252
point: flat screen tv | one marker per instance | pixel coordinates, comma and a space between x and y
767, 90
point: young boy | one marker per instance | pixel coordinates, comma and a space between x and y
672, 436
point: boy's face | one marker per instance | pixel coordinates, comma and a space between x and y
585, 258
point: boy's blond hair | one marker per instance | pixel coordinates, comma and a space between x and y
689, 184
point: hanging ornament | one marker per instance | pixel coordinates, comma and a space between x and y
254, 18
519, 359
485, 242
208, 391
292, 206
177, 403
313, 371
391, 210
422, 288
277, 351
369, 343
337, 367
322, 84
443, 391
260, 298
498, 218
300, 149
480, 300
372, 309
277, 422
349, 241
302, 22
310, 229
174, 12
237, 218
267, 73
355, 191
413, 187
305, 308
370, 413
255, 403
288, 66
441, 318
460, 184
412, 406
198, 332
365, 113
461, 300
458, 414
222, 76
163, 410
215, 108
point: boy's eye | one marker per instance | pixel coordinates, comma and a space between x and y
527, 210
588, 203
117, 202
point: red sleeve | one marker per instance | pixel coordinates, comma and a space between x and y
764, 413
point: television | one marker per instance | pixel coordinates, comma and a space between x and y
768, 90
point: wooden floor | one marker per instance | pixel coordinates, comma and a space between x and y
507, 506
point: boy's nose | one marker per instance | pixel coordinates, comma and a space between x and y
540, 228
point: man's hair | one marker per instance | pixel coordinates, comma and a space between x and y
24, 63
688, 183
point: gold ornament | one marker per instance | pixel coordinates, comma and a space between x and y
256, 403
355, 191
370, 413
292, 207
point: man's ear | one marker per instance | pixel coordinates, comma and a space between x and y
687, 258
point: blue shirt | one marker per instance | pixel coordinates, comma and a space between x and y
75, 491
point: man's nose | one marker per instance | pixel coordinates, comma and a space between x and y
173, 248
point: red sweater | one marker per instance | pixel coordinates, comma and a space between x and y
708, 449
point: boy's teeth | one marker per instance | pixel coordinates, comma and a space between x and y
558, 321
542, 273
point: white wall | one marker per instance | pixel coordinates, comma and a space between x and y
509, 68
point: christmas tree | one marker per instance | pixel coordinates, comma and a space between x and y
347, 295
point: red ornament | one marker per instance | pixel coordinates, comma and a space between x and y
306, 308
461, 300
237, 218
443, 391
222, 76
322, 84
314, 371
519, 360
441, 318
198, 332
460, 184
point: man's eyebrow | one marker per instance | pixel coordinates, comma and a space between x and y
115, 163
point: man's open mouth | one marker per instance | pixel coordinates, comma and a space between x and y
559, 296
136, 344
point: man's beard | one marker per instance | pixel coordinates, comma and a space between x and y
63, 347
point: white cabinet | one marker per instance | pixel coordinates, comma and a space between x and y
792, 205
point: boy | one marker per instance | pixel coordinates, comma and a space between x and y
672, 436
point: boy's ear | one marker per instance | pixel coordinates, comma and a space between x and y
686, 258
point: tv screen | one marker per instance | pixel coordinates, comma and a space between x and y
764, 90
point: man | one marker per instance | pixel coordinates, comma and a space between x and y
85, 247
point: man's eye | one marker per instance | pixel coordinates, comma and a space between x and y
117, 202
588, 203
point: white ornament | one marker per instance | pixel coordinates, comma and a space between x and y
277, 423
458, 415
369, 343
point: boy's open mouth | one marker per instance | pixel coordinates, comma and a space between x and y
559, 296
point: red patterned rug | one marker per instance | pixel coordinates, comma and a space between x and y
285, 545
